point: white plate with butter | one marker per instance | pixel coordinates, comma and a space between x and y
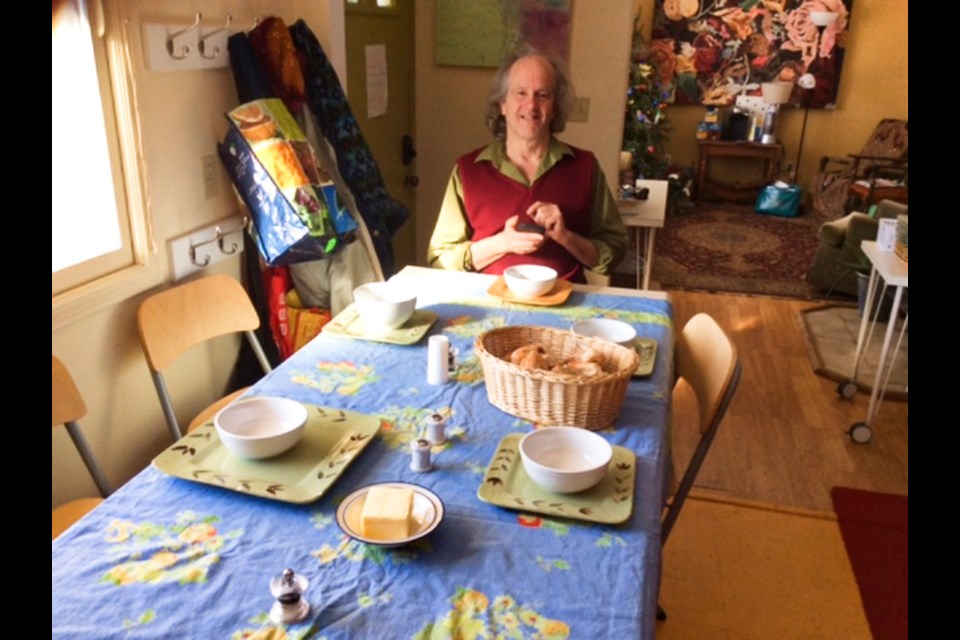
386, 527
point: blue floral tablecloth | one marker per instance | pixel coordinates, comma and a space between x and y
168, 558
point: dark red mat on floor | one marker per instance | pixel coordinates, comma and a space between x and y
874, 529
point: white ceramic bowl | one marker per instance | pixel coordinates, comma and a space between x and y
384, 306
565, 459
606, 329
529, 280
261, 427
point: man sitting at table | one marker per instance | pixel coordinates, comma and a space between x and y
527, 197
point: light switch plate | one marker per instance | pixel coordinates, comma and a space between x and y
581, 110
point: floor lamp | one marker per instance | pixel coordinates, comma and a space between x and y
821, 20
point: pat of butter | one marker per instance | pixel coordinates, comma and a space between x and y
386, 513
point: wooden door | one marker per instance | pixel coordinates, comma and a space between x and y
389, 24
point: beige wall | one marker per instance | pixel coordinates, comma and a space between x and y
451, 100
182, 117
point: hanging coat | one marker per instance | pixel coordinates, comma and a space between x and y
326, 100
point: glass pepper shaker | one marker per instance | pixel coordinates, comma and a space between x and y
288, 588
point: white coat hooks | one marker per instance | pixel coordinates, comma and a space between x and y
211, 52
227, 242
230, 238
182, 49
207, 246
185, 44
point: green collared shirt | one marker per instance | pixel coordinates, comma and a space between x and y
450, 244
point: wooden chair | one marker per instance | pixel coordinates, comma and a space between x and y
707, 360
173, 321
859, 179
68, 407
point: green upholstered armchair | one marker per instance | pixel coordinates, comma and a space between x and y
838, 257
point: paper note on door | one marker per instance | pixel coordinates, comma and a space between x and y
376, 61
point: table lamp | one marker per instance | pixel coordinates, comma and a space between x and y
774, 94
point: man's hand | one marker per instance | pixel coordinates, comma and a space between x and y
548, 216
521, 242
510, 240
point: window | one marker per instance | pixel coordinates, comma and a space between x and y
99, 235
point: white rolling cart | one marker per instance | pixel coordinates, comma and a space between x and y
892, 270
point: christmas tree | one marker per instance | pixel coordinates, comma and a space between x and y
645, 123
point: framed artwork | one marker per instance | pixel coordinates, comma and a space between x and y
479, 33
708, 52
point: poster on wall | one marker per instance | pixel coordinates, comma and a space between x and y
480, 33
710, 51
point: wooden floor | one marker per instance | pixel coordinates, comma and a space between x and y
784, 437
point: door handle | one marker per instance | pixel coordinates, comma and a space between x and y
408, 153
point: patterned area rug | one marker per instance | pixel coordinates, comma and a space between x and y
732, 249
831, 333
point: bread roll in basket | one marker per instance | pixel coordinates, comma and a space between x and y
551, 398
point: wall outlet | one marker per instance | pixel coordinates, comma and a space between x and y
210, 187
580, 111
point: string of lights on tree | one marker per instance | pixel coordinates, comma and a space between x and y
645, 124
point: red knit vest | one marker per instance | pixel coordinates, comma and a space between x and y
491, 197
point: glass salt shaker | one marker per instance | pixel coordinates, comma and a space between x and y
288, 588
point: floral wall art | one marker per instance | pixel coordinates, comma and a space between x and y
709, 51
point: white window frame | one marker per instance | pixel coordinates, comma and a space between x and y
141, 272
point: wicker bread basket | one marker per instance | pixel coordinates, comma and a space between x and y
550, 398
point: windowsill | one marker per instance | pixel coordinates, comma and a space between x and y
79, 302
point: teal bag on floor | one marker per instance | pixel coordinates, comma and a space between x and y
779, 199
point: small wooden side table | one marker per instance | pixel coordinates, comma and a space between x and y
862, 194
738, 191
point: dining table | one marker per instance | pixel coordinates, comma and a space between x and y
190, 546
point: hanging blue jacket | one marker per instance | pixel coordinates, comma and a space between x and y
325, 98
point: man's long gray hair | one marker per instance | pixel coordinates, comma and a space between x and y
563, 91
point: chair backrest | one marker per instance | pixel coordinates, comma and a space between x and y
68, 407
707, 360
888, 140
177, 319
174, 320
